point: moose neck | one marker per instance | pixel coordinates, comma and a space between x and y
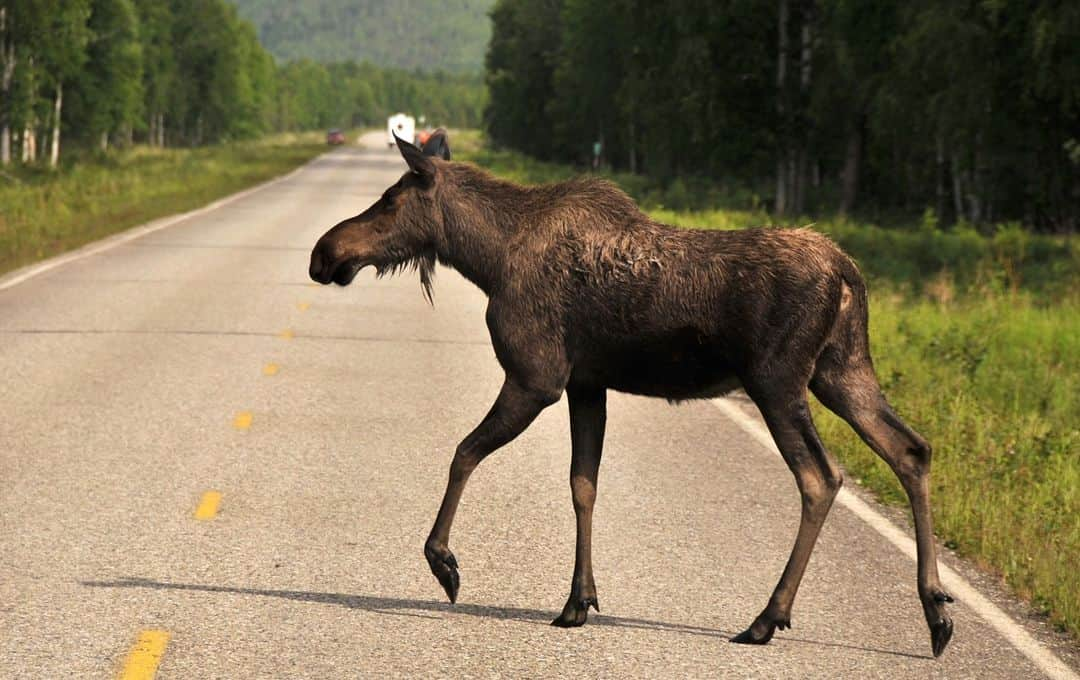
479, 218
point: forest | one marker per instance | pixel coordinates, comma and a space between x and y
967, 110
102, 73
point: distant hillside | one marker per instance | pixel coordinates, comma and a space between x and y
451, 35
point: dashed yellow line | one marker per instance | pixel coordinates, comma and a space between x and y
242, 420
271, 369
143, 659
303, 306
208, 505
287, 334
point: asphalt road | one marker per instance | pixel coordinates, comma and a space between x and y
199, 358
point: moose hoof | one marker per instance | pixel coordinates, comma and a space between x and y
749, 637
760, 632
940, 634
576, 612
445, 568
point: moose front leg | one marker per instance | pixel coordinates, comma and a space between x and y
819, 478
513, 411
588, 416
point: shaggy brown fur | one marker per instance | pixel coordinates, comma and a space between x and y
587, 293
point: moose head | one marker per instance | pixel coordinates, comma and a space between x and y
399, 231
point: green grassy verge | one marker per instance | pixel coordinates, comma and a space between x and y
44, 213
976, 339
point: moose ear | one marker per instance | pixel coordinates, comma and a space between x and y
437, 145
418, 163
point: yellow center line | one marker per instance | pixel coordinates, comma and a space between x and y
271, 369
143, 659
242, 421
286, 334
303, 306
208, 505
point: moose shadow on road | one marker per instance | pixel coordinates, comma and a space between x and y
428, 608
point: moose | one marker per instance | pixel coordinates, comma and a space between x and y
587, 294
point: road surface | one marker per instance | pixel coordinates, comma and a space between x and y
198, 358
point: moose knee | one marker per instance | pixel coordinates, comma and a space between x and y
922, 452
466, 458
819, 491
915, 464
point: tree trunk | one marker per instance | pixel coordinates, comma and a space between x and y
161, 130
29, 141
29, 148
958, 188
806, 54
978, 175
7, 69
939, 158
800, 182
849, 182
781, 206
792, 182
54, 151
104, 143
7, 51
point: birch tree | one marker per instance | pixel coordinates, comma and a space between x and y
63, 55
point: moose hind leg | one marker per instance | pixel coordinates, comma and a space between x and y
818, 478
588, 415
854, 395
513, 411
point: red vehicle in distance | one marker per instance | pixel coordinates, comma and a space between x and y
335, 137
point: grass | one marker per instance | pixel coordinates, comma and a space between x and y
976, 339
43, 213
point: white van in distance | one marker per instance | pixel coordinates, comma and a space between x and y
401, 125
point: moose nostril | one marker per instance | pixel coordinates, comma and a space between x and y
315, 271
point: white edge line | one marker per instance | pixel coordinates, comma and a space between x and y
110, 242
955, 583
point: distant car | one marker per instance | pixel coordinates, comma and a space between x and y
335, 137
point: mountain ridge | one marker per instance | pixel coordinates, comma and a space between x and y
430, 35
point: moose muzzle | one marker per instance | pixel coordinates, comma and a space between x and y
329, 267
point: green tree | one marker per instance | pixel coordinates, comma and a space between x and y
520, 73
159, 66
107, 95
62, 58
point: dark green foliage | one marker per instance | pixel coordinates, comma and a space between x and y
348, 94
185, 73
429, 35
520, 65
971, 109
106, 97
